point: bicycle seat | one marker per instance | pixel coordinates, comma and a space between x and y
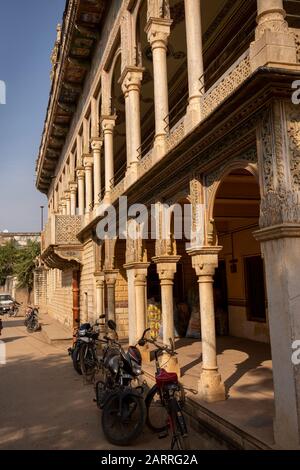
164, 378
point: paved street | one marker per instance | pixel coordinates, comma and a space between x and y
44, 404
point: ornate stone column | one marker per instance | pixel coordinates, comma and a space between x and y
73, 195
100, 283
205, 261
96, 150
131, 79
274, 44
137, 299
158, 31
195, 60
108, 125
110, 280
81, 191
68, 202
88, 167
166, 269
278, 140
63, 206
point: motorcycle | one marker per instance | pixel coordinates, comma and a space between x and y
32, 320
82, 336
122, 405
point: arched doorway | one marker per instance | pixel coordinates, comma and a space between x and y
240, 296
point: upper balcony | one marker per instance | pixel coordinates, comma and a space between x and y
60, 246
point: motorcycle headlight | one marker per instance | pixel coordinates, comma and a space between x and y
136, 368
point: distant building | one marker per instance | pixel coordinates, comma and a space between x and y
19, 238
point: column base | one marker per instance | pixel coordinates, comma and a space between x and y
131, 174
193, 115
274, 49
210, 387
159, 146
170, 364
145, 352
284, 439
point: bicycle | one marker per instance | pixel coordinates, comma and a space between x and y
165, 400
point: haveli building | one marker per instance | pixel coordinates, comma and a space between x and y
182, 102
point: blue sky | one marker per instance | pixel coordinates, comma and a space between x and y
27, 36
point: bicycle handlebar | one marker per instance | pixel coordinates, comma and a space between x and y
160, 347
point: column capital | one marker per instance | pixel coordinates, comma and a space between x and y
87, 161
158, 31
131, 78
73, 187
137, 266
80, 173
111, 276
108, 123
166, 266
67, 195
277, 231
100, 278
205, 259
96, 143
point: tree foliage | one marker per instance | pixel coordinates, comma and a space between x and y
25, 264
8, 255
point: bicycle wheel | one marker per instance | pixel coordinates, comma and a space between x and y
157, 415
88, 361
180, 439
123, 423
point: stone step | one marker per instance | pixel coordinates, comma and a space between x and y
214, 428
55, 333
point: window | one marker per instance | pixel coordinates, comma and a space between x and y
255, 288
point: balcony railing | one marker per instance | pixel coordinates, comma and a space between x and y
61, 230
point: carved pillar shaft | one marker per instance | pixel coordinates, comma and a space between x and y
108, 124
73, 196
158, 30
68, 202
205, 261
194, 50
81, 197
99, 295
166, 268
88, 167
137, 299
96, 149
110, 280
131, 84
